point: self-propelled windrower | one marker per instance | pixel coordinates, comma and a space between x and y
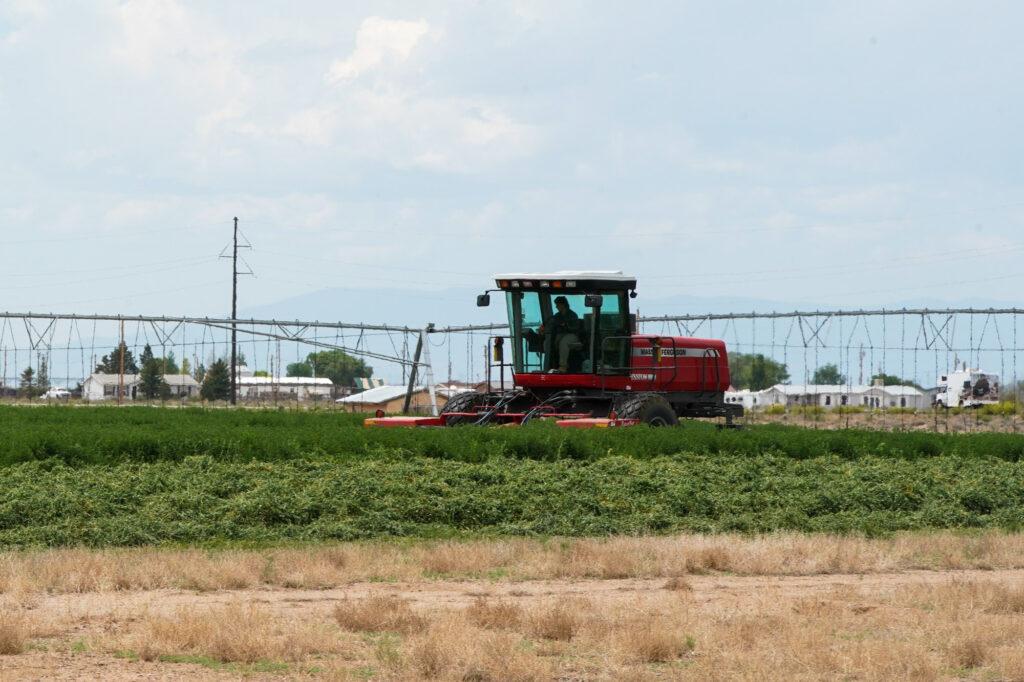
576, 357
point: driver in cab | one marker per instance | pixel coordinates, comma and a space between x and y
563, 327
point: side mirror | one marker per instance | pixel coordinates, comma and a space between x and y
483, 300
593, 300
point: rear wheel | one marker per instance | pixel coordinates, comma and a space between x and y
649, 408
463, 402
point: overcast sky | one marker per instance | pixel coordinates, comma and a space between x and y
854, 153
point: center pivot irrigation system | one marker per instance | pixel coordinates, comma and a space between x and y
585, 360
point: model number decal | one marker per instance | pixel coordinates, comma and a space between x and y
669, 352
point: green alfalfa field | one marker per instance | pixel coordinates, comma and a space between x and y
102, 476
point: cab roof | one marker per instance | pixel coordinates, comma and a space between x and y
590, 275
566, 280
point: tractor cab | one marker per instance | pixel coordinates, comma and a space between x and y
570, 322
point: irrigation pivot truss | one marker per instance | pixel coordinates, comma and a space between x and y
915, 345
67, 348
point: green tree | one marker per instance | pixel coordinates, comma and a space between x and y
111, 364
893, 380
299, 369
261, 373
170, 363
755, 371
43, 376
337, 365
186, 366
151, 380
146, 355
829, 375
200, 373
27, 383
216, 382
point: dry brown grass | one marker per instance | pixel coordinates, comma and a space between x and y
678, 584
654, 640
378, 614
451, 649
890, 627
81, 570
231, 633
559, 621
665, 620
14, 632
495, 615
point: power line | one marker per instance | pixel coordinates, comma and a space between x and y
66, 283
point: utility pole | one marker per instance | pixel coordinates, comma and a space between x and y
234, 314
120, 374
235, 246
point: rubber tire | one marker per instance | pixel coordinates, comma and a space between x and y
650, 408
463, 402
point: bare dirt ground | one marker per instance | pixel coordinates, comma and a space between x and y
877, 615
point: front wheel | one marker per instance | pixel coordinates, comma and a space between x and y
650, 408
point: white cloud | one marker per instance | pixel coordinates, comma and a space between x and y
313, 126
460, 134
377, 42
162, 39
133, 212
150, 28
481, 222
21, 16
397, 118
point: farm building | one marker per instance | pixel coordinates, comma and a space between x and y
828, 395
284, 388
106, 386
391, 399
897, 396
825, 395
182, 385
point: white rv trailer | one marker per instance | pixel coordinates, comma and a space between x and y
967, 388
